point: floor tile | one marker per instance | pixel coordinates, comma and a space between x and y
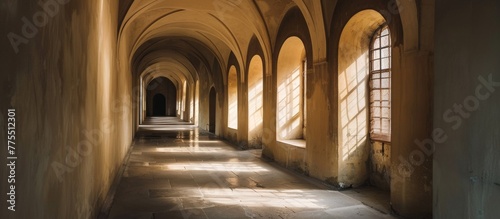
192, 174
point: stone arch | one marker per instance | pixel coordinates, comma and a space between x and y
346, 9
316, 29
290, 75
255, 101
353, 76
212, 110
410, 104
254, 48
168, 90
293, 24
232, 98
409, 21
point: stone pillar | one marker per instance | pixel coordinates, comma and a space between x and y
242, 111
321, 154
269, 123
411, 164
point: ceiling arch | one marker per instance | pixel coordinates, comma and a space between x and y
200, 32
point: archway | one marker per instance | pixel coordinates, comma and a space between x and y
255, 101
232, 98
292, 65
212, 110
159, 105
362, 156
168, 90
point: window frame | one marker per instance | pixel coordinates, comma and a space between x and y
379, 135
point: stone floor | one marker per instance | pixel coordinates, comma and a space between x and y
177, 171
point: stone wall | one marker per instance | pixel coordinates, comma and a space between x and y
466, 110
73, 105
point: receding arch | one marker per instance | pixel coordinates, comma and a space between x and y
353, 96
232, 98
255, 101
212, 110
168, 90
294, 25
291, 67
315, 25
159, 105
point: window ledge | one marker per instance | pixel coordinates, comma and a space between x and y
381, 138
300, 143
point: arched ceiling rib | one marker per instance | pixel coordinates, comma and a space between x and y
200, 32
185, 52
222, 30
170, 65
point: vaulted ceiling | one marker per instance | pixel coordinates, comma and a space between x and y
178, 37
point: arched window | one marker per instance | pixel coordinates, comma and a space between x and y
291, 105
232, 87
380, 85
255, 101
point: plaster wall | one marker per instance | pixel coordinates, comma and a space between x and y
321, 153
255, 91
353, 97
205, 85
74, 122
380, 165
466, 167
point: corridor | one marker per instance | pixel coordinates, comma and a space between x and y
176, 171
250, 109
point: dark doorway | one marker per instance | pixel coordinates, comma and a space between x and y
159, 105
168, 90
212, 106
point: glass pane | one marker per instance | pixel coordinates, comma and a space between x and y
376, 54
386, 95
385, 63
385, 53
376, 83
385, 83
376, 95
385, 103
386, 124
376, 124
385, 41
386, 113
376, 65
385, 31
376, 43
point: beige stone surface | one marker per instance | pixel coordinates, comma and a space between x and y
78, 71
192, 174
